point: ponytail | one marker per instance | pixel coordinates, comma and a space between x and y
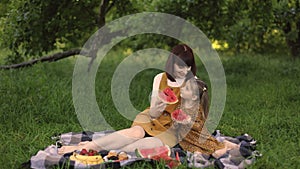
204, 99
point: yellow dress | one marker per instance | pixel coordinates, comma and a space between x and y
161, 127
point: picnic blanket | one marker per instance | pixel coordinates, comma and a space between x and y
233, 159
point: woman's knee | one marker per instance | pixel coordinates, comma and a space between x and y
137, 131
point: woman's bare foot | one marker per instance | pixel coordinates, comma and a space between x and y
230, 145
220, 152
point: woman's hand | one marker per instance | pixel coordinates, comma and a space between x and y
156, 107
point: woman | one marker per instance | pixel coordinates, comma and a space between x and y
154, 121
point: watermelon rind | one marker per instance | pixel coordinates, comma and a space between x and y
138, 153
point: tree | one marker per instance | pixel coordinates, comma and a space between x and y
32, 27
287, 18
3, 7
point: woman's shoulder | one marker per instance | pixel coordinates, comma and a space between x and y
158, 76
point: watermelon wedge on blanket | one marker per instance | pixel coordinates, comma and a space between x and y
161, 153
180, 116
168, 96
156, 152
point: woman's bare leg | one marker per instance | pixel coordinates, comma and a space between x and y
148, 142
228, 146
112, 141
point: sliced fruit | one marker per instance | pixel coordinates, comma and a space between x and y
168, 96
180, 116
156, 152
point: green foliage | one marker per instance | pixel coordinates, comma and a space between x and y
207, 15
287, 14
3, 7
250, 22
246, 26
32, 27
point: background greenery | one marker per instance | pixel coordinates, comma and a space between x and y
29, 28
262, 100
255, 39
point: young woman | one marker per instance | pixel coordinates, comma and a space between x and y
154, 121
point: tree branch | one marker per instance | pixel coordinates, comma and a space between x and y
109, 7
50, 58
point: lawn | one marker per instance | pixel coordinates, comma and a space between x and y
263, 100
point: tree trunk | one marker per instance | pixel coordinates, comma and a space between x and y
98, 39
293, 44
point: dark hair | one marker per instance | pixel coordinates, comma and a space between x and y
204, 99
182, 55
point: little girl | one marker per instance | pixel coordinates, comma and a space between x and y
194, 136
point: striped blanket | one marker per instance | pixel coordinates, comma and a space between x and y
233, 159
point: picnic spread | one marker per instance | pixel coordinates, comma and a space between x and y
233, 159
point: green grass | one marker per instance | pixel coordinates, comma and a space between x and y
263, 100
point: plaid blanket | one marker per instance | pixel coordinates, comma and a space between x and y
233, 159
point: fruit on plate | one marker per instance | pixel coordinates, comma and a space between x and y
83, 152
112, 153
168, 96
156, 152
116, 156
87, 157
122, 156
180, 116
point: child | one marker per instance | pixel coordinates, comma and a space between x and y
194, 136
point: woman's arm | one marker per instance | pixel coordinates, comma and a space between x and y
156, 105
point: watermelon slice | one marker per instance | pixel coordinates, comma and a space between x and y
168, 96
156, 152
180, 116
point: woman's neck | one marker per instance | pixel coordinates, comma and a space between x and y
179, 81
176, 83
